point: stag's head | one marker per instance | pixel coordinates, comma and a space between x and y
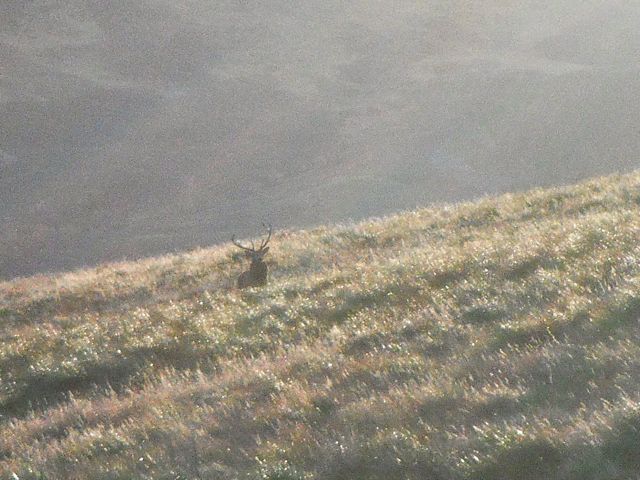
253, 253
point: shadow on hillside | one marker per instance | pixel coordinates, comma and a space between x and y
622, 445
613, 318
44, 390
74, 303
620, 315
390, 459
528, 266
168, 286
616, 457
444, 278
528, 460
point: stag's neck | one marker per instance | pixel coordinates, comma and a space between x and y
258, 266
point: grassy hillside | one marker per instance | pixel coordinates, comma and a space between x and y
491, 340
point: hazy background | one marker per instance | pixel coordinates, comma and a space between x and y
135, 127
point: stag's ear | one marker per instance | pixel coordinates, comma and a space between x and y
265, 250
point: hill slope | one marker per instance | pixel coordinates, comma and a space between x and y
497, 339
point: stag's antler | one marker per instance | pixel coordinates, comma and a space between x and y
237, 244
264, 244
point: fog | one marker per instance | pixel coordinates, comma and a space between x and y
136, 127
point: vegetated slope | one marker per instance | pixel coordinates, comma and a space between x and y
496, 340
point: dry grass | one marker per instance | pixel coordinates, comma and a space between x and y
498, 339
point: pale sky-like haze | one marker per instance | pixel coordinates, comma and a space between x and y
136, 127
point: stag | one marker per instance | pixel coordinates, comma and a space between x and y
257, 273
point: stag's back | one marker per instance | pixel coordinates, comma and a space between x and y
256, 275
258, 272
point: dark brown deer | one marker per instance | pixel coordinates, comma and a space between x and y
257, 273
